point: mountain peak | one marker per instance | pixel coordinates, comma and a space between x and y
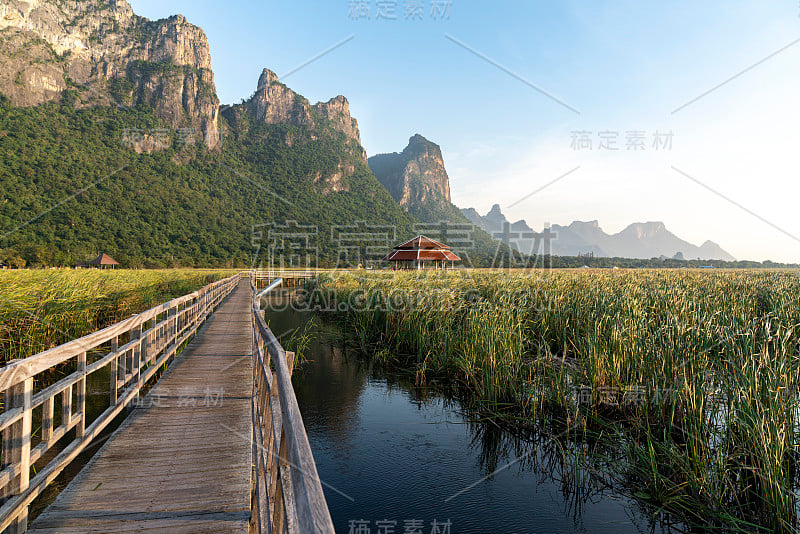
418, 139
340, 99
275, 103
417, 144
416, 178
645, 230
267, 77
585, 224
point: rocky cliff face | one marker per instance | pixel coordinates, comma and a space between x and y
109, 56
416, 178
329, 122
274, 103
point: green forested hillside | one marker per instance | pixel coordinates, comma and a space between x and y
70, 188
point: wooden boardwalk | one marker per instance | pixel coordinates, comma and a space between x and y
182, 461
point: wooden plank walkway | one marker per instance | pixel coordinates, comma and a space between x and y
181, 462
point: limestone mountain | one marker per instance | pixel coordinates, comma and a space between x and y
638, 240
275, 103
107, 55
76, 75
416, 178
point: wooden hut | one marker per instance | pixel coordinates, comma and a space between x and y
421, 253
104, 261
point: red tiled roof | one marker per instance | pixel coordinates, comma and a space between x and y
421, 254
421, 242
423, 249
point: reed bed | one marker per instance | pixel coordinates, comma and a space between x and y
40, 309
686, 382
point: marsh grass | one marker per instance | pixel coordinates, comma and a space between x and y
300, 341
692, 377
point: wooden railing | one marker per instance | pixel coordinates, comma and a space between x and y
287, 493
285, 275
149, 340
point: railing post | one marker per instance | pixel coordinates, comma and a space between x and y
172, 329
47, 418
155, 335
136, 352
193, 318
279, 516
80, 396
66, 406
124, 364
17, 447
290, 361
176, 322
112, 372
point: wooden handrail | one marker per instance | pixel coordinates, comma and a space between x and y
287, 492
274, 273
152, 343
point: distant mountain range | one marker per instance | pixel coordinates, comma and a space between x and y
418, 181
638, 240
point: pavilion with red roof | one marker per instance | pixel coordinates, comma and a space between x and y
421, 253
104, 261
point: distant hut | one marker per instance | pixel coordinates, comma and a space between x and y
421, 253
104, 261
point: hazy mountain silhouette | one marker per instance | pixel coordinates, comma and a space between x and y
638, 240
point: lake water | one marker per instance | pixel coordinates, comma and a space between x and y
398, 459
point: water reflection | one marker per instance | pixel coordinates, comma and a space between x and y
389, 451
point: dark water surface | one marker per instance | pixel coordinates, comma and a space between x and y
387, 451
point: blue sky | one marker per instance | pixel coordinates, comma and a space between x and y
624, 65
